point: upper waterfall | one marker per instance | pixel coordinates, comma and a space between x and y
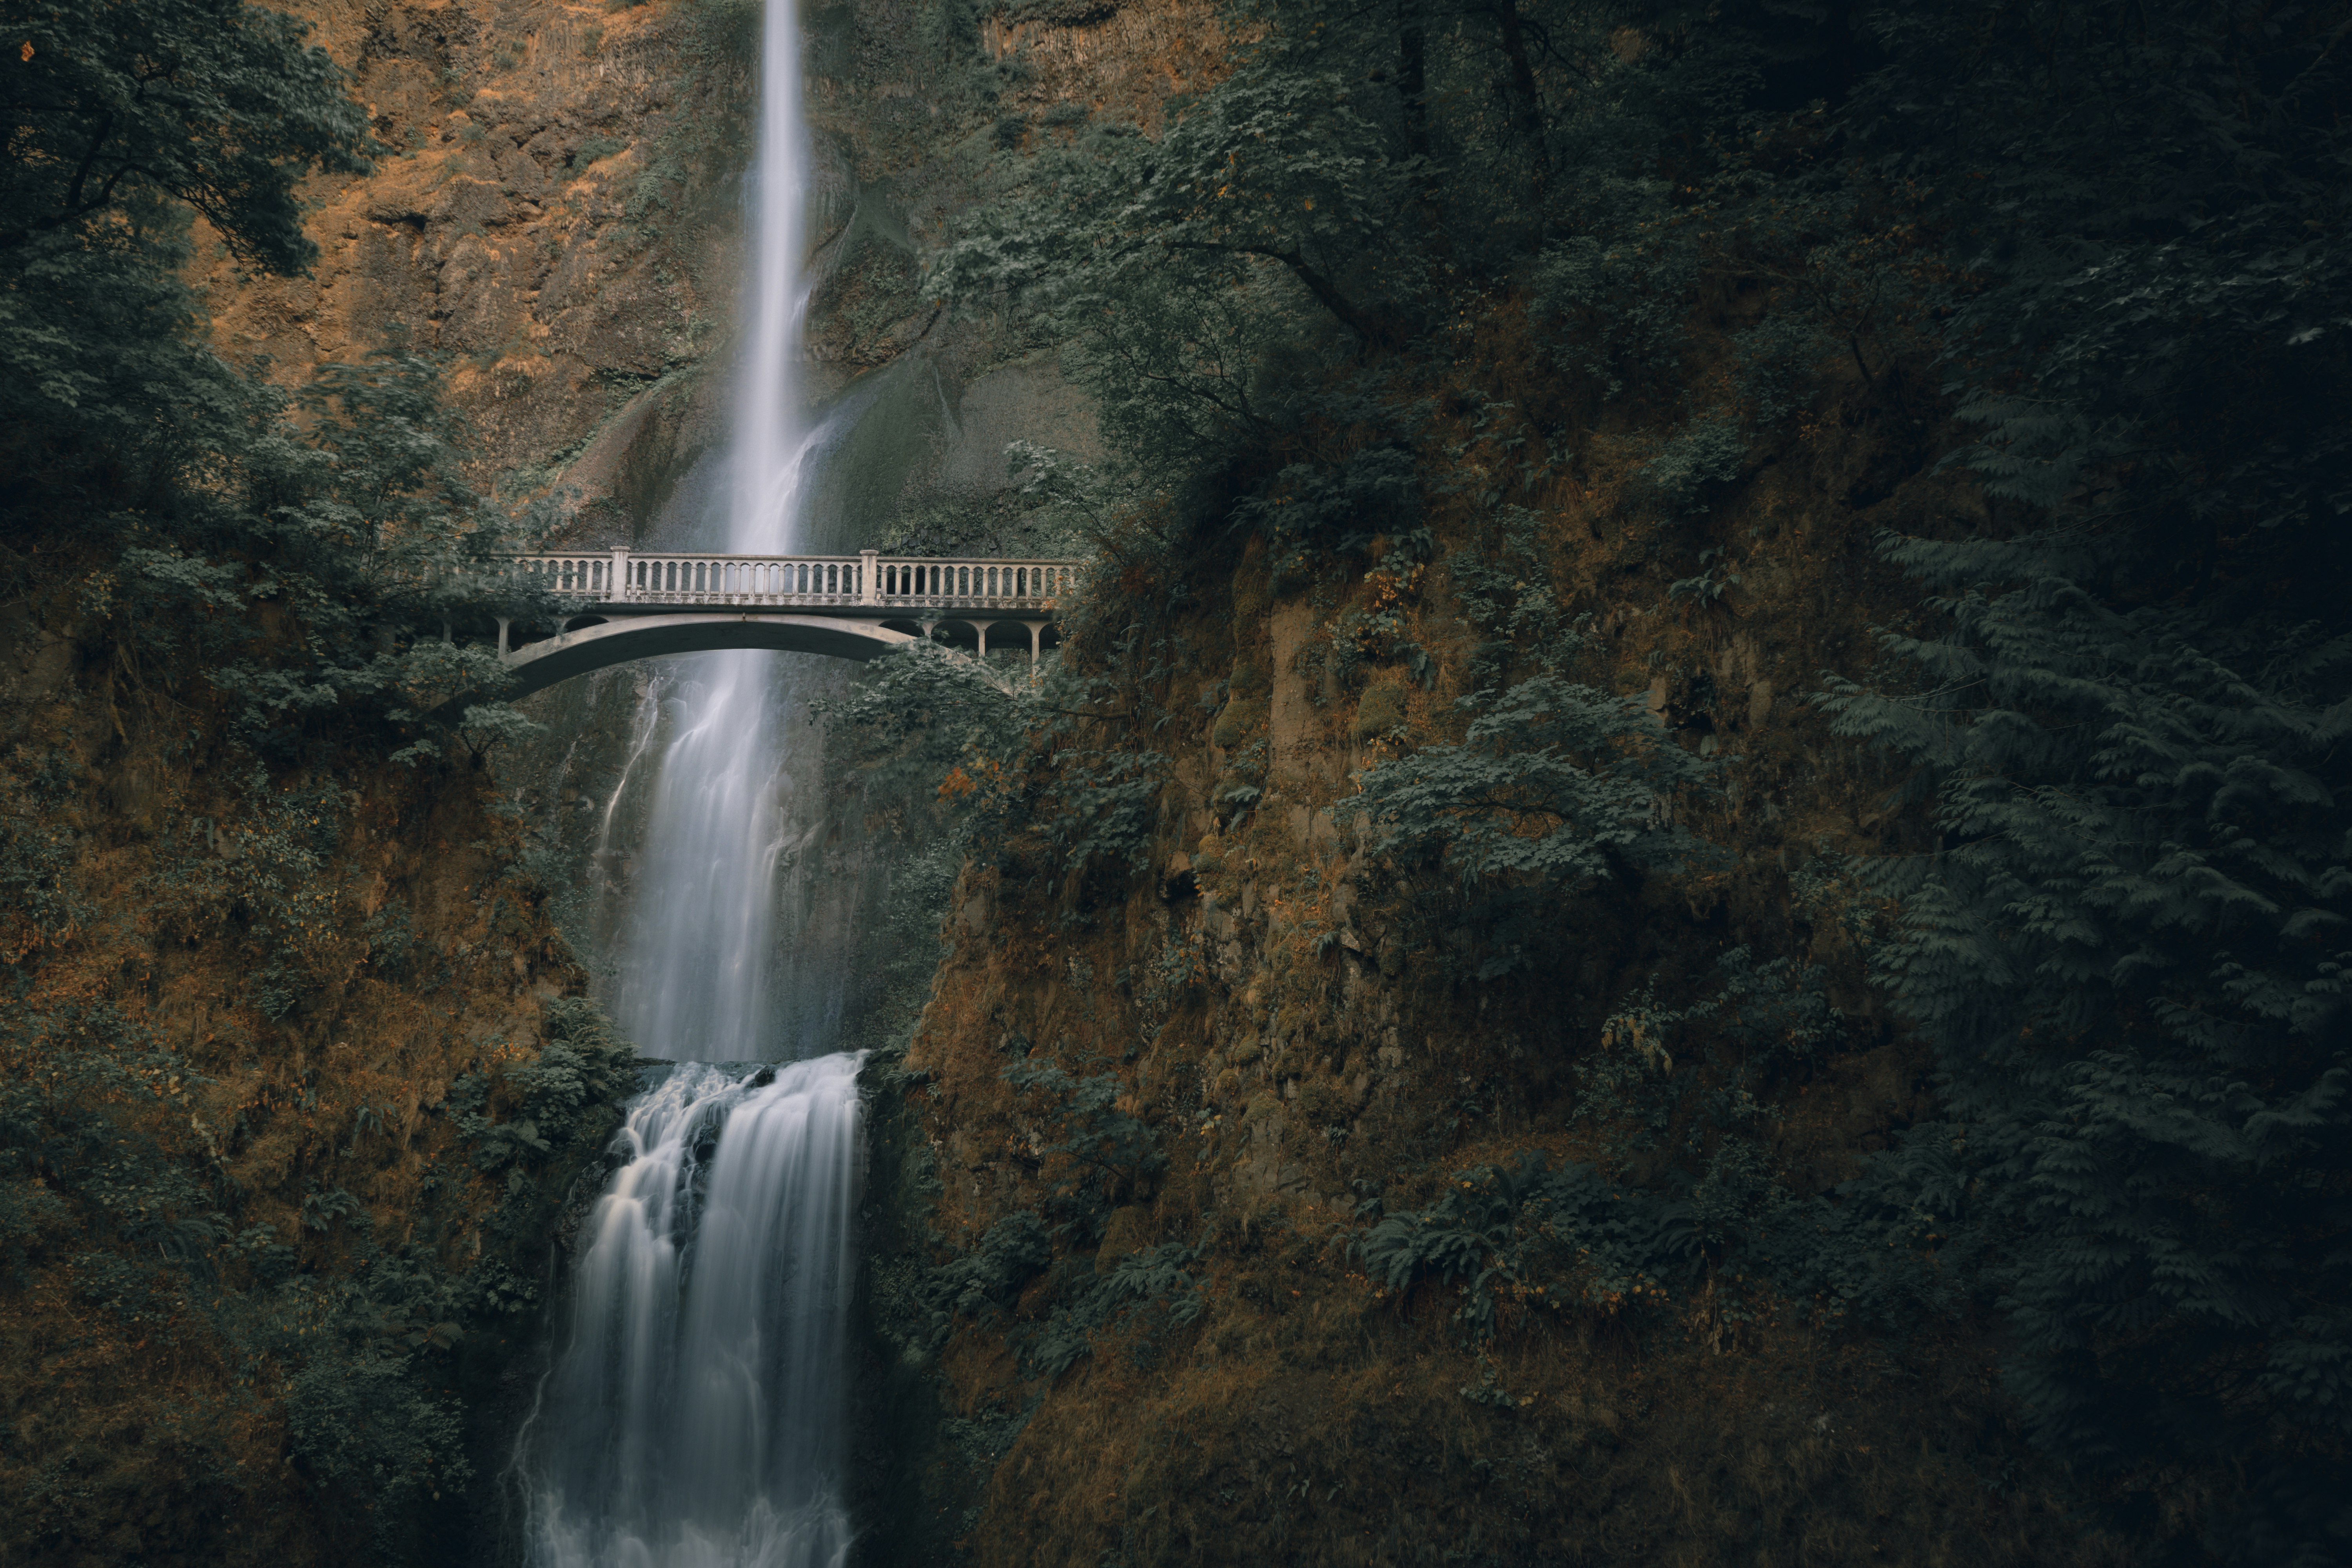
767, 459
696, 978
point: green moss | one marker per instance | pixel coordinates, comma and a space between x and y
1241, 719
1381, 711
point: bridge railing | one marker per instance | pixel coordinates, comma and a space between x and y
866, 579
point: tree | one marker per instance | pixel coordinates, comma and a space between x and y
113, 107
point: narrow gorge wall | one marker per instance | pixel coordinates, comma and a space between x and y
293, 1054
1163, 1342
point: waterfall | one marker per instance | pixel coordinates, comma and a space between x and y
695, 976
693, 1413
693, 1417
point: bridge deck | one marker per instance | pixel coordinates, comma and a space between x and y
866, 583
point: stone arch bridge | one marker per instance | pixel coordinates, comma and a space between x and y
624, 605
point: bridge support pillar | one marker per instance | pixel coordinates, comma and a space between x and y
503, 624
1036, 639
981, 627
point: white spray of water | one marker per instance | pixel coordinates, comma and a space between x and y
693, 1417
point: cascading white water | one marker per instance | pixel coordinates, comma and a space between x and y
694, 1412
692, 1420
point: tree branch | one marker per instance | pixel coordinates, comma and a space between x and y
1362, 322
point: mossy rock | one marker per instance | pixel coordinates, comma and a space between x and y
1238, 722
1381, 711
1248, 680
1128, 1230
1252, 592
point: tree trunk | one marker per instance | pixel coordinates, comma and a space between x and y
1526, 104
1412, 82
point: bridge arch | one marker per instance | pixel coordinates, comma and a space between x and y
537, 666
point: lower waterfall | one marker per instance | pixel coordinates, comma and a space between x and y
693, 1416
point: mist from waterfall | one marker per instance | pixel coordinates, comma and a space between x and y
693, 1414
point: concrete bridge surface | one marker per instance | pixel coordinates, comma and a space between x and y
624, 605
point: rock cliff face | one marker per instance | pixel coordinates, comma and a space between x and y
548, 215
275, 1048
1271, 1038
555, 213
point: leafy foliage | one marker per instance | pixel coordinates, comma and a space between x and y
2117, 235
1533, 1237
1158, 1277
1104, 1149
1553, 782
113, 108
303, 552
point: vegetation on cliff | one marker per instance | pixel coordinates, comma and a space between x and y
1757, 598
290, 1091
